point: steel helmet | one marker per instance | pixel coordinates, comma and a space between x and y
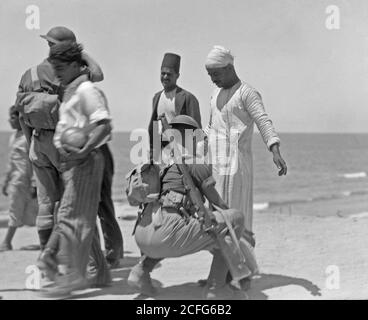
186, 120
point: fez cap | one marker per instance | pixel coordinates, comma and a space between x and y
59, 34
171, 60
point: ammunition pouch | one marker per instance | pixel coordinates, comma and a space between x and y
177, 200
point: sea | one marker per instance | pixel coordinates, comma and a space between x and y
327, 173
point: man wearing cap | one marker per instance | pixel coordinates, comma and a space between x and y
235, 108
59, 34
43, 153
170, 101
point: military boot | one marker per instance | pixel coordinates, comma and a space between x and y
224, 292
140, 277
217, 287
243, 284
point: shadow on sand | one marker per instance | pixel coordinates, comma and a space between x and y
119, 286
191, 290
269, 281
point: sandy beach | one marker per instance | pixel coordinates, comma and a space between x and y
297, 255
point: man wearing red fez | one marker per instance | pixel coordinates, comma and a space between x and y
172, 100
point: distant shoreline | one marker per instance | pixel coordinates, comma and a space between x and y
257, 133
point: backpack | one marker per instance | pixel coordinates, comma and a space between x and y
144, 184
40, 109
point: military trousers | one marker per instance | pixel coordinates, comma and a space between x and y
45, 159
164, 233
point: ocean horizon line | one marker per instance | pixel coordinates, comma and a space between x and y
257, 133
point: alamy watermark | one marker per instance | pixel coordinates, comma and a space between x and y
332, 277
32, 21
33, 280
333, 17
217, 147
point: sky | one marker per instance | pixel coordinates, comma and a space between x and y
312, 79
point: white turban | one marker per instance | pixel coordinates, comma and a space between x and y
219, 57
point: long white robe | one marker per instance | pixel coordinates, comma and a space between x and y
233, 114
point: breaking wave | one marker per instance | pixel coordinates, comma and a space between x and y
354, 175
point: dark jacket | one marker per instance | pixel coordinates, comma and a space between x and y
185, 103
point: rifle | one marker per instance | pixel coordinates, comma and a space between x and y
232, 254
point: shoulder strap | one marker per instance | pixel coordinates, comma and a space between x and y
186, 187
35, 80
164, 171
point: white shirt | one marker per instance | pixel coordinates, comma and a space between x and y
86, 106
166, 105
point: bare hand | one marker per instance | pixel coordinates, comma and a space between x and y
73, 153
71, 156
278, 160
280, 164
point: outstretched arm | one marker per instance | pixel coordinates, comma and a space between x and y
253, 104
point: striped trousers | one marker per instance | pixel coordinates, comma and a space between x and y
76, 217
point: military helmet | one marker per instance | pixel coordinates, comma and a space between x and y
186, 120
59, 34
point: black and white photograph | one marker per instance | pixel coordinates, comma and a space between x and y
196, 151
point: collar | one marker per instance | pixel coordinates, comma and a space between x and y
167, 154
73, 86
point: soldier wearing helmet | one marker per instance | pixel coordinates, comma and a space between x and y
170, 227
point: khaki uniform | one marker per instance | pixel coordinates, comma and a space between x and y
43, 154
163, 231
23, 207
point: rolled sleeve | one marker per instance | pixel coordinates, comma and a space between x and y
99, 115
93, 103
272, 141
200, 173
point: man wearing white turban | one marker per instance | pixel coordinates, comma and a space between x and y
235, 107
219, 57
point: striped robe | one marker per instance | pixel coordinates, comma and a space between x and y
233, 114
